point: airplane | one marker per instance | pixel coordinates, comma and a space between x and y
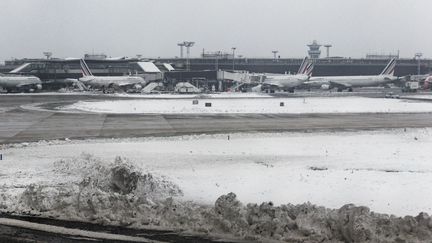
109, 83
287, 82
17, 83
350, 82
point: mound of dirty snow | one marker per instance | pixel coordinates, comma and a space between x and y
119, 193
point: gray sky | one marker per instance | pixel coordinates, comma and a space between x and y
70, 28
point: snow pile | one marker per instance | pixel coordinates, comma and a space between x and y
93, 190
255, 105
307, 222
290, 223
119, 193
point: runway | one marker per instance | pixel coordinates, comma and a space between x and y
22, 125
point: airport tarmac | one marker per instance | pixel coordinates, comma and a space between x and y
24, 125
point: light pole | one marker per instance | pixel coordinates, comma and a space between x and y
233, 56
217, 60
328, 49
274, 55
188, 45
48, 54
418, 55
181, 48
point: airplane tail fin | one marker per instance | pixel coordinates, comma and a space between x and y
306, 67
303, 66
85, 69
389, 69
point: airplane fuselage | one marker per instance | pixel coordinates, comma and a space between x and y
353, 81
104, 82
20, 83
285, 81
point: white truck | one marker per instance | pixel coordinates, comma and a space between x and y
411, 86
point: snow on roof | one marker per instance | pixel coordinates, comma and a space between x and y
168, 67
149, 67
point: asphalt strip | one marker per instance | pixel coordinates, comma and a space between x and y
71, 232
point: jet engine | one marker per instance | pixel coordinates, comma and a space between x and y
325, 86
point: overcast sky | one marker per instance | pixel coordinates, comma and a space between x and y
70, 28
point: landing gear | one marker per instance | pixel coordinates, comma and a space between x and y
339, 89
350, 90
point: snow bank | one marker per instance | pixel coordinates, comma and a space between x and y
119, 193
91, 189
256, 105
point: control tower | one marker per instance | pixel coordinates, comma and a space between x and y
314, 50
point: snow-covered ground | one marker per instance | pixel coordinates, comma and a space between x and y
149, 96
388, 171
181, 96
256, 105
419, 96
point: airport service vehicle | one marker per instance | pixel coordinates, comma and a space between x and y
350, 82
287, 82
427, 83
411, 86
109, 83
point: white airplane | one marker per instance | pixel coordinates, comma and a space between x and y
107, 83
17, 83
350, 82
288, 82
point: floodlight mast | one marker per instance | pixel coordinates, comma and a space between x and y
181, 48
418, 56
188, 45
327, 46
48, 54
274, 54
233, 56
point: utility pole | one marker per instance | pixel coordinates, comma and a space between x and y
233, 56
